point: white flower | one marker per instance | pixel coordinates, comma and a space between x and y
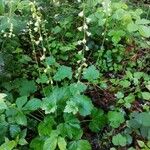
10, 35
85, 27
88, 33
42, 58
86, 48
5, 35
84, 64
45, 70
40, 8
51, 81
76, 75
79, 42
88, 20
56, 15
31, 3
44, 49
30, 22
8, 20
78, 61
48, 67
38, 19
103, 3
106, 6
79, 69
80, 52
36, 24
84, 41
80, 28
84, 59
33, 15
37, 42
35, 29
11, 27
57, 3
81, 14
47, 82
40, 39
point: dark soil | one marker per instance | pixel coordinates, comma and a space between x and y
101, 98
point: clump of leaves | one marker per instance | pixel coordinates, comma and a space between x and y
52, 54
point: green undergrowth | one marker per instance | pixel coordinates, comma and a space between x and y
74, 75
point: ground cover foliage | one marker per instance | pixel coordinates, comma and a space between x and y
74, 75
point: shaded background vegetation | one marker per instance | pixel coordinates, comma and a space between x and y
74, 75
